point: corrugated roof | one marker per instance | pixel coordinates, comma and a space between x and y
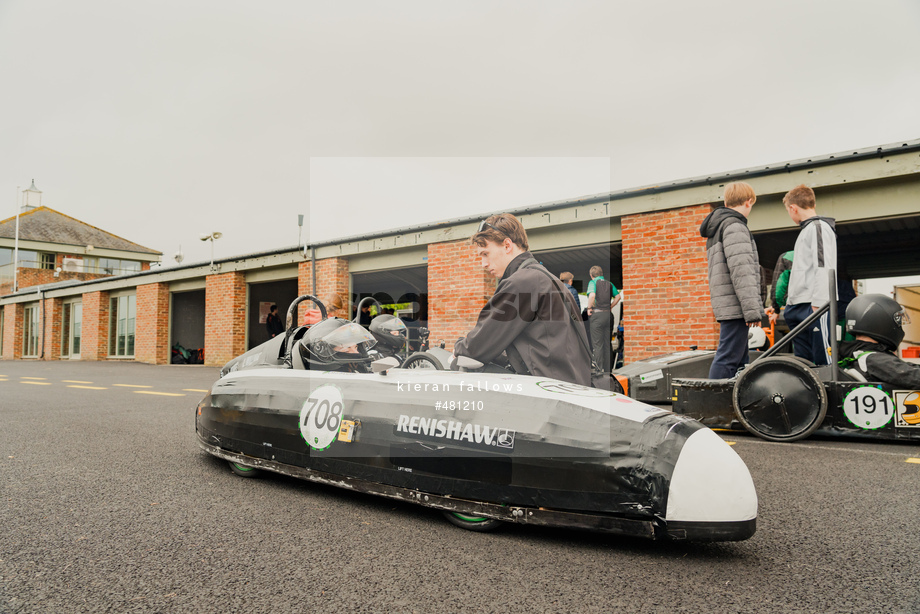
50, 226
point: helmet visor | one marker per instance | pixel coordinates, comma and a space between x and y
349, 338
902, 318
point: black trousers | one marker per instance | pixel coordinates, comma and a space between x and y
600, 338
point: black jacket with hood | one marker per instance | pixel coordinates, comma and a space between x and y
529, 318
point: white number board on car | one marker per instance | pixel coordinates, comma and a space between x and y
868, 407
321, 416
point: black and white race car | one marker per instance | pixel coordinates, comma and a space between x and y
484, 448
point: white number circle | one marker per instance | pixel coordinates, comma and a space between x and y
321, 416
868, 407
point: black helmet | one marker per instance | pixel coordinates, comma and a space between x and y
390, 331
336, 342
879, 317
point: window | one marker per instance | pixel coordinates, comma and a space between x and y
27, 259
71, 329
47, 261
114, 266
30, 330
122, 310
109, 266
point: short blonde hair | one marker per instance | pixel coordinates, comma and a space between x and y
802, 196
566, 276
738, 193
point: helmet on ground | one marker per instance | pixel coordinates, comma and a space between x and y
335, 342
756, 338
390, 331
879, 317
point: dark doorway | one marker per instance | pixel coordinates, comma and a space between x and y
261, 297
187, 328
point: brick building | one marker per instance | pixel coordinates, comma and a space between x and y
647, 240
42, 248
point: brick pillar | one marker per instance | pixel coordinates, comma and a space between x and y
458, 287
152, 328
666, 279
53, 310
225, 317
12, 331
95, 342
331, 276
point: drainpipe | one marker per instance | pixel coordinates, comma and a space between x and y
313, 264
41, 301
16, 246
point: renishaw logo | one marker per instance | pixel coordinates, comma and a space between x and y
475, 434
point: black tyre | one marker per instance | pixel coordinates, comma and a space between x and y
472, 523
243, 471
422, 360
779, 399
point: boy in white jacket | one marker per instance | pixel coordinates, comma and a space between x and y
815, 254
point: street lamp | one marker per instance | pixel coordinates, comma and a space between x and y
211, 237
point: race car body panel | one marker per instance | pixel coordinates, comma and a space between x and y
516, 448
866, 410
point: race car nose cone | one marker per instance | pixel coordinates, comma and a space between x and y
710, 484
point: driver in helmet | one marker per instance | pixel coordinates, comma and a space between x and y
875, 320
337, 345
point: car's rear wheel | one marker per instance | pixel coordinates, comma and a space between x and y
779, 399
472, 523
243, 471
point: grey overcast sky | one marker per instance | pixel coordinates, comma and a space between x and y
160, 120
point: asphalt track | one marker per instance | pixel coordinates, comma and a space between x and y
108, 505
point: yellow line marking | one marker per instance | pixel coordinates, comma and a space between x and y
37, 383
24, 377
195, 390
731, 443
913, 460
88, 387
74, 381
162, 394
132, 386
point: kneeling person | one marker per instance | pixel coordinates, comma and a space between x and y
876, 321
530, 316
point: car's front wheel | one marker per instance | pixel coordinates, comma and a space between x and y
472, 523
243, 471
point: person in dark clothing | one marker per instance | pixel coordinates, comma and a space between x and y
602, 296
734, 278
567, 279
780, 285
876, 321
273, 322
529, 319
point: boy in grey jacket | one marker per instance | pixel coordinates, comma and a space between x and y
815, 254
734, 277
